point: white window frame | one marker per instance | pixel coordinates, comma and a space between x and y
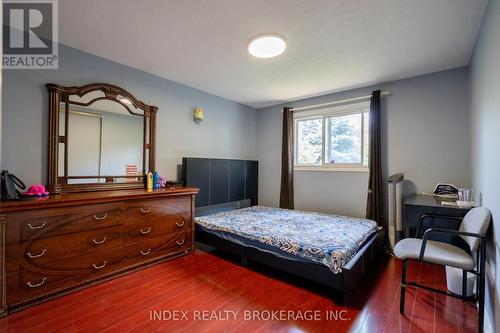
323, 113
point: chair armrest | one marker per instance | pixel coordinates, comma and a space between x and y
428, 232
435, 216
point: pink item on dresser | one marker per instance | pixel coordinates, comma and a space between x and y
36, 190
162, 180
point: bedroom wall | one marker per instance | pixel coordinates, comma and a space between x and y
228, 130
485, 157
425, 136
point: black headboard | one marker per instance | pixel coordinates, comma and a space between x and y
221, 181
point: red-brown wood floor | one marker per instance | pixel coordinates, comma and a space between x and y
217, 284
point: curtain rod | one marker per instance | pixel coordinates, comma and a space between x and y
383, 93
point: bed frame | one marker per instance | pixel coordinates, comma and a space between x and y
216, 176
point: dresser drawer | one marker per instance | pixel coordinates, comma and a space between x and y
28, 284
24, 286
42, 251
94, 263
35, 224
138, 209
160, 246
155, 225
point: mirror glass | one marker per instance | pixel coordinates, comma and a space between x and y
103, 141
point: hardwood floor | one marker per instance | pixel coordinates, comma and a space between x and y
218, 285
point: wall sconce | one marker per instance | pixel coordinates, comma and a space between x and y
198, 115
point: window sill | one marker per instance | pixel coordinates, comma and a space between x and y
331, 169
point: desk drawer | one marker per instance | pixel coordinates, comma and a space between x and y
35, 224
413, 213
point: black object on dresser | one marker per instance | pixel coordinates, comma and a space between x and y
423, 211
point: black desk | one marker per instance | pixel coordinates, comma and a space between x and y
417, 205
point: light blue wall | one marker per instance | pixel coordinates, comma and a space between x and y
425, 135
228, 130
485, 157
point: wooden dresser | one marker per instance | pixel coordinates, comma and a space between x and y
51, 246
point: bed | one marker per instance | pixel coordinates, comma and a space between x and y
335, 251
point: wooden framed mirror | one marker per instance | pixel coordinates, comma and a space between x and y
101, 137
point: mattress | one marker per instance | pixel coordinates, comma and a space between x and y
330, 240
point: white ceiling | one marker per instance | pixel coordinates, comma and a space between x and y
332, 44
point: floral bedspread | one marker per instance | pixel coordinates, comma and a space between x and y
327, 239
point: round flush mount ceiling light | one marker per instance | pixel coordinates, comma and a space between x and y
266, 46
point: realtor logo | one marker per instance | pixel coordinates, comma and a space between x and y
30, 34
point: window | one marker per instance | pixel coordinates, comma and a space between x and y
333, 139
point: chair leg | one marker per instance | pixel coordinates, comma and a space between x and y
464, 285
482, 285
403, 288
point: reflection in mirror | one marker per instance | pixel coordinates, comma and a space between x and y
104, 142
60, 171
146, 151
147, 160
146, 129
62, 129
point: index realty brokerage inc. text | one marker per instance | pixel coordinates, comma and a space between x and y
279, 315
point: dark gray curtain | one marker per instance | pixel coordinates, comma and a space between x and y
286, 192
375, 201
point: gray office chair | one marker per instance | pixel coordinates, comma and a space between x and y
473, 234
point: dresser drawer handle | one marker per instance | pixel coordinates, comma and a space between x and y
31, 285
102, 217
100, 266
180, 224
145, 210
145, 231
33, 256
179, 243
40, 226
95, 241
145, 253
